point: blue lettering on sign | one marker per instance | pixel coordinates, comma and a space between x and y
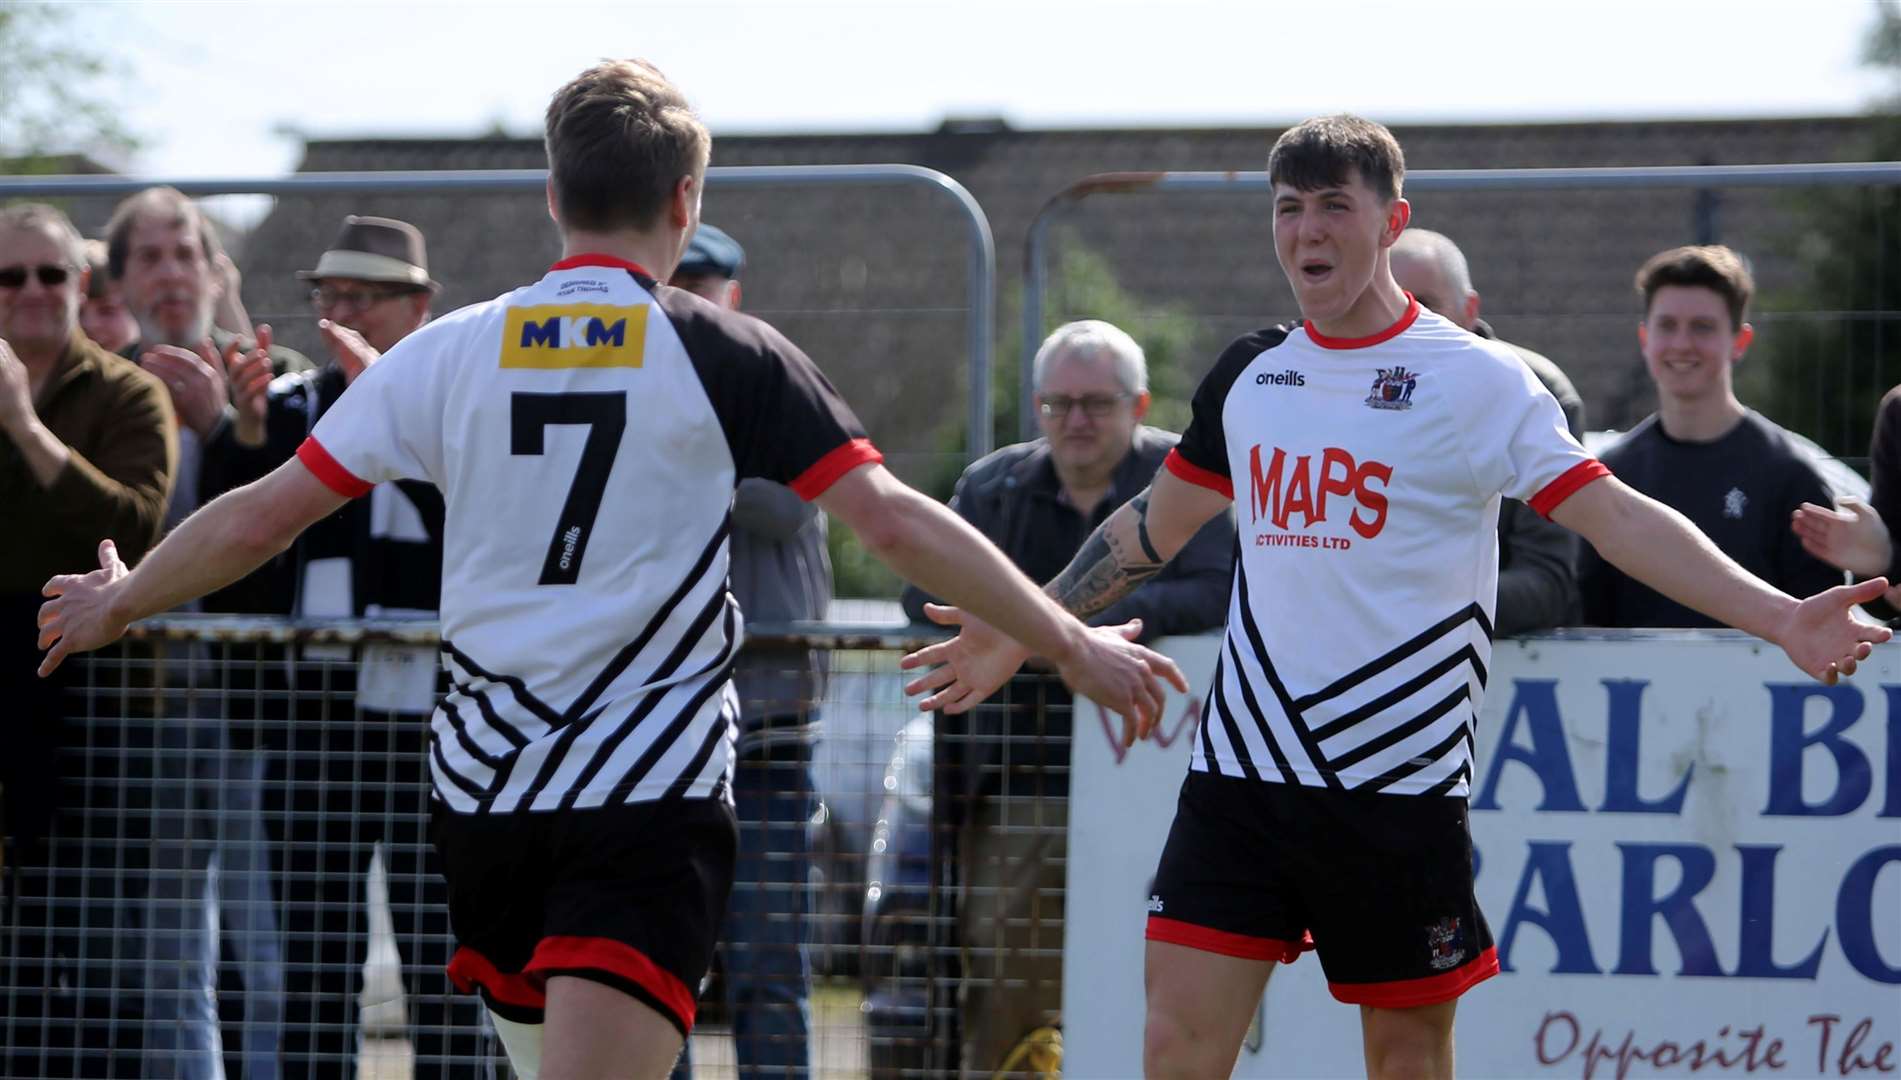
1535, 701
1624, 749
1755, 955
1892, 807
1788, 742
1855, 915
1641, 907
1549, 864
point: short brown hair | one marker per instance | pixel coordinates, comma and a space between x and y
619, 137
1702, 266
50, 220
165, 203
1325, 151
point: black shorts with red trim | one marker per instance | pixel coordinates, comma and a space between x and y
1379, 885
630, 896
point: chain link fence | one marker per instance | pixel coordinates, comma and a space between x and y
238, 875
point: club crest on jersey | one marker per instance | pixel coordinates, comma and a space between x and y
555, 336
1393, 389
1444, 945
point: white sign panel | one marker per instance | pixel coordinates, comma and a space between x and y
1689, 856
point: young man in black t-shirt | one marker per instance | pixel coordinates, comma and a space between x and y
1735, 475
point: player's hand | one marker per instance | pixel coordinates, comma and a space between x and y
1822, 636
1849, 537
347, 347
974, 664
78, 615
196, 382
1111, 670
249, 376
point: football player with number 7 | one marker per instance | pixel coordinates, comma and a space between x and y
587, 432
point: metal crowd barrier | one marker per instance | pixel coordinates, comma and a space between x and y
239, 874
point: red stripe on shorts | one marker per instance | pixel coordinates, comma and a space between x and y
469, 969
558, 954
1412, 993
1176, 932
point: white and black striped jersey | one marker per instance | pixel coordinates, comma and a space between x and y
1366, 476
587, 432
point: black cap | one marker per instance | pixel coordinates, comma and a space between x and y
712, 252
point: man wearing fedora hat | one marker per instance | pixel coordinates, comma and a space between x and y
374, 282
378, 557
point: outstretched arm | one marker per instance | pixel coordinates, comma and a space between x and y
227, 539
1130, 547
926, 543
1659, 547
1134, 544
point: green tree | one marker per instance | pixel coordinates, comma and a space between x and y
1084, 286
1836, 341
51, 100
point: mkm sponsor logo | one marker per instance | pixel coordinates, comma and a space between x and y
552, 336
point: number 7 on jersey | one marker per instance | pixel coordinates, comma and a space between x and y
605, 415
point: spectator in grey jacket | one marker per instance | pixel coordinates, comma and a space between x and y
1537, 558
780, 573
1003, 781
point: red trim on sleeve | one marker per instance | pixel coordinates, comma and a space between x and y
325, 468
1195, 474
1391, 332
825, 472
596, 259
1412, 993
469, 969
1567, 485
557, 954
1189, 935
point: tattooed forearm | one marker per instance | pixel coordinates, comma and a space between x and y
1116, 558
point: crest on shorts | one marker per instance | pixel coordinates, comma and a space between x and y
1445, 944
1393, 388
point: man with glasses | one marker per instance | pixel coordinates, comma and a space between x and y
357, 778
87, 449
1003, 780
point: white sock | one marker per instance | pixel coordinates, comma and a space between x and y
523, 1043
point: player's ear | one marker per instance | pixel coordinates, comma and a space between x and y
1743, 337
1142, 402
1398, 216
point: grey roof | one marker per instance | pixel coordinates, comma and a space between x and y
871, 281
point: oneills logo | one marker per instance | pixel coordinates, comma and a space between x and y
574, 336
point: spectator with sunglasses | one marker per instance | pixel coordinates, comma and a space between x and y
87, 449
1038, 501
